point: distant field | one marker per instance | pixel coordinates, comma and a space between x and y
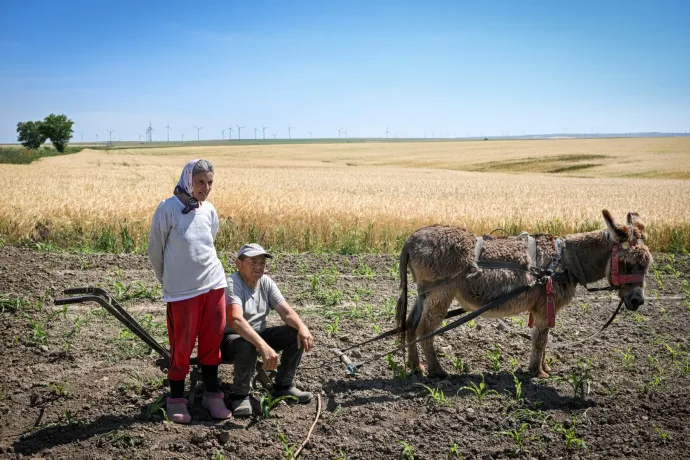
354, 197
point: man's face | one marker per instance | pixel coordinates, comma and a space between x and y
202, 183
251, 268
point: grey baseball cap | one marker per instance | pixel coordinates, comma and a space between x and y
252, 250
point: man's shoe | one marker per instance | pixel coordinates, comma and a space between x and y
214, 403
176, 410
241, 406
302, 397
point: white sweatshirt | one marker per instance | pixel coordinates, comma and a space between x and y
181, 250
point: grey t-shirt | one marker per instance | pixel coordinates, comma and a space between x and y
256, 303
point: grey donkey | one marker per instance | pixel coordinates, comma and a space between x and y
442, 261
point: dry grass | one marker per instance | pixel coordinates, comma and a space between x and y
356, 197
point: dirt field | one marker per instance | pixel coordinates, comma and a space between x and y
76, 385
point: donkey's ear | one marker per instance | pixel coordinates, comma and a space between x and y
618, 234
635, 221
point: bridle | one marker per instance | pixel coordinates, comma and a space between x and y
616, 278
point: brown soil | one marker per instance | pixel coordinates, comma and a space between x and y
84, 389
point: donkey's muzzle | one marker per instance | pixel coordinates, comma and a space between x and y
634, 302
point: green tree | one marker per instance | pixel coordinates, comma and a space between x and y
57, 128
30, 134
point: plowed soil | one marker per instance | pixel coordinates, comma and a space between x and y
76, 384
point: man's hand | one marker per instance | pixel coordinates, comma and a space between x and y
305, 339
269, 358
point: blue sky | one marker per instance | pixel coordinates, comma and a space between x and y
448, 68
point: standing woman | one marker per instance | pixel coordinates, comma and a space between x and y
183, 256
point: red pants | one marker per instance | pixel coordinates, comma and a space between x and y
202, 316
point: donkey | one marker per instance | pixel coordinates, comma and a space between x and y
443, 263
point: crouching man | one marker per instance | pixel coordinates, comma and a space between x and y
250, 296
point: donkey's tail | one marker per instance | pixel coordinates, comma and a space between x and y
401, 308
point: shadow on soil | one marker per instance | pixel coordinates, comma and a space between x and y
532, 390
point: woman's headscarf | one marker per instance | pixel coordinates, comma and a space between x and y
184, 190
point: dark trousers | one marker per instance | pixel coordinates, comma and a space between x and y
243, 355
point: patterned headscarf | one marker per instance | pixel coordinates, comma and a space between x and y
184, 191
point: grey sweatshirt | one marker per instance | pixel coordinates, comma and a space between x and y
181, 250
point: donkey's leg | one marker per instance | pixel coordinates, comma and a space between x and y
540, 337
435, 309
412, 353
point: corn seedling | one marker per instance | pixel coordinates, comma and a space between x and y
518, 390
268, 402
529, 415
674, 352
495, 358
58, 389
340, 455
454, 452
570, 436
519, 437
460, 365
218, 455
407, 452
580, 380
663, 435
288, 448
157, 406
333, 328
628, 358
480, 391
437, 396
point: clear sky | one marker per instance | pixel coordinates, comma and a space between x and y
447, 68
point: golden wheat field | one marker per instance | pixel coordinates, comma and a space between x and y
356, 196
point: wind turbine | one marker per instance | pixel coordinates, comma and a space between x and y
274, 135
309, 134
290, 128
255, 130
387, 133
222, 134
239, 131
149, 133
197, 131
264, 128
139, 138
339, 129
96, 138
230, 133
182, 136
111, 135
168, 128
345, 131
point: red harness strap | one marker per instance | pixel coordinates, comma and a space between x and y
550, 306
616, 278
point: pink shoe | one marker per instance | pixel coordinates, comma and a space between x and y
176, 409
215, 405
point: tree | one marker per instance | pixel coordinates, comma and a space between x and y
30, 134
57, 128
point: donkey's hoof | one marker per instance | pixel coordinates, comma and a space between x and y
439, 373
538, 373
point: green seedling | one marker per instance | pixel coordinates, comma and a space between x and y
519, 436
407, 452
495, 358
437, 396
480, 391
268, 402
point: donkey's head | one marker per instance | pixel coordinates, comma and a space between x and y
630, 259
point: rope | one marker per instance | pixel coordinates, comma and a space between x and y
318, 414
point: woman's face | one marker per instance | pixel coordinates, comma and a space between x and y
202, 183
